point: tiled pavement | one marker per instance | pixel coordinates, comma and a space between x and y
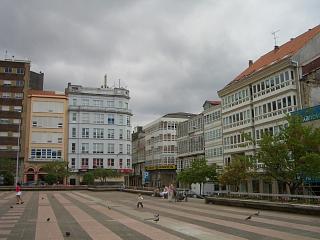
113, 215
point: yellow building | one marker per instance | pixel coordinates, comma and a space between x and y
46, 132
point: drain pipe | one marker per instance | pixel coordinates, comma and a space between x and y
298, 82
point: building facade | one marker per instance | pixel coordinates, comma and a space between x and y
257, 100
190, 141
212, 129
46, 132
138, 176
99, 129
161, 149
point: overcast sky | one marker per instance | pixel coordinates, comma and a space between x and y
171, 54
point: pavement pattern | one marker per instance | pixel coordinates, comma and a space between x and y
114, 215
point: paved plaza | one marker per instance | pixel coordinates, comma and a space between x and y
113, 215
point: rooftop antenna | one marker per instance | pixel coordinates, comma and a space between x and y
275, 37
6, 54
119, 82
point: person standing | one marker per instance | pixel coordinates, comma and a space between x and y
18, 194
140, 199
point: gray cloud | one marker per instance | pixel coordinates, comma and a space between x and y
172, 55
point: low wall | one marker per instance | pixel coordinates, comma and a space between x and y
265, 205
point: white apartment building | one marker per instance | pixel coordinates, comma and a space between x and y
99, 128
161, 148
190, 141
212, 130
258, 100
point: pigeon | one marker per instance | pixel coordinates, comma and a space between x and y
156, 219
48, 219
109, 207
68, 234
42, 198
11, 206
248, 218
257, 213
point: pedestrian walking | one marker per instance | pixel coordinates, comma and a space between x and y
18, 194
140, 200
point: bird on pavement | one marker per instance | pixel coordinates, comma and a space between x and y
109, 207
42, 198
248, 218
11, 206
48, 219
68, 234
257, 213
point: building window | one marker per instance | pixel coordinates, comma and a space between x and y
74, 133
74, 101
120, 119
110, 147
120, 133
128, 163
85, 132
98, 148
120, 104
110, 162
74, 117
128, 149
99, 118
85, 102
98, 133
128, 135
110, 103
120, 163
73, 163
18, 95
97, 163
84, 163
6, 95
20, 70
128, 121
120, 148
85, 117
110, 133
110, 119
8, 70
98, 103
73, 147
85, 148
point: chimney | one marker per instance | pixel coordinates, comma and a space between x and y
276, 48
250, 63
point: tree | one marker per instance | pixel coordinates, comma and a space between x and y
237, 171
51, 178
88, 178
7, 170
199, 172
57, 168
292, 154
103, 174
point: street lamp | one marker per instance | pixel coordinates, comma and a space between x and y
18, 151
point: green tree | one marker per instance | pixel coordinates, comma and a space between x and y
199, 172
240, 168
51, 178
292, 154
7, 170
88, 178
57, 168
103, 174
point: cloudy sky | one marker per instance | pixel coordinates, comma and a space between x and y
171, 54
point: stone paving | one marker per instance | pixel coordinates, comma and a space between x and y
114, 215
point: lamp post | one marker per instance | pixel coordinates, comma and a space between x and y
18, 151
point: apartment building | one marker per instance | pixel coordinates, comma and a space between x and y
212, 130
190, 141
138, 176
259, 98
161, 148
99, 129
46, 132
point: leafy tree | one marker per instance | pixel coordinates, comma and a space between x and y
199, 172
57, 168
237, 171
88, 178
103, 174
7, 170
292, 154
51, 178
